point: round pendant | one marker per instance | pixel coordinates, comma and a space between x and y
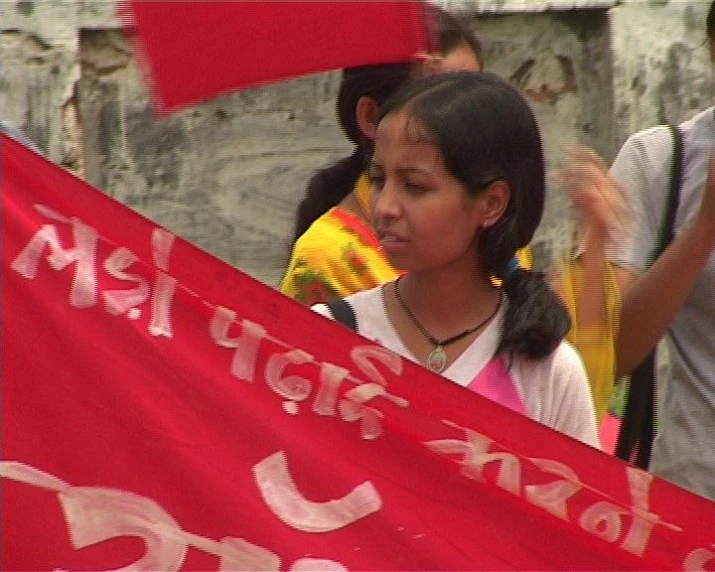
437, 359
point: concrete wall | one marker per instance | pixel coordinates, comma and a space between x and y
228, 174
225, 175
661, 67
559, 60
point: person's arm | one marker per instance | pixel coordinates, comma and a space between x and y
653, 300
587, 283
591, 306
568, 404
602, 211
596, 315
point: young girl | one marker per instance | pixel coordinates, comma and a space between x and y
458, 185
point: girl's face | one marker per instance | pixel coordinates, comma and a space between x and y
422, 215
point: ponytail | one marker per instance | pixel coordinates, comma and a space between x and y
326, 189
535, 320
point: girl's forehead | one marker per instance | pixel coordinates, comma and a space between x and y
405, 128
402, 140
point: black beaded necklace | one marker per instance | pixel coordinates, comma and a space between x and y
437, 358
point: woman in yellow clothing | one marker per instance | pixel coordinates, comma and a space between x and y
594, 339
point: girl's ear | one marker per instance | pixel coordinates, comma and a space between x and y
366, 114
495, 199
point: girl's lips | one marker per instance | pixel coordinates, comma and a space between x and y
392, 242
386, 235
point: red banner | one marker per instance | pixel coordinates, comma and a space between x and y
199, 49
163, 411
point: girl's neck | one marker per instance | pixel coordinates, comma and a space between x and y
449, 297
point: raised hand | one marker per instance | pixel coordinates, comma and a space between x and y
598, 198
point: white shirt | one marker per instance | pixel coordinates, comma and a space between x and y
554, 390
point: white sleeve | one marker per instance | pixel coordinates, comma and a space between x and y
574, 413
557, 394
642, 168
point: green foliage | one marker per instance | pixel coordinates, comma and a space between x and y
617, 405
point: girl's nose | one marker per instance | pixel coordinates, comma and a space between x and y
386, 202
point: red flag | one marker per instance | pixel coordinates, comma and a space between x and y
199, 49
163, 411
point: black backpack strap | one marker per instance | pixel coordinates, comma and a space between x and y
343, 313
676, 180
635, 438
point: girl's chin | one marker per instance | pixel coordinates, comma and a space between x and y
402, 264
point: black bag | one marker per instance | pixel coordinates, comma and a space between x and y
343, 313
635, 438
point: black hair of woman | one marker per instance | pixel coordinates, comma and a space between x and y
486, 132
710, 30
452, 32
332, 184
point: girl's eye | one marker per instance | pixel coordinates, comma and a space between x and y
376, 182
415, 188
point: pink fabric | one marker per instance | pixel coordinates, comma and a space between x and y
495, 383
608, 432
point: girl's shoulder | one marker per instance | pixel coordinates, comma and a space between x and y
366, 298
557, 393
566, 354
563, 363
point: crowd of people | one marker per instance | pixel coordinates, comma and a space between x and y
422, 236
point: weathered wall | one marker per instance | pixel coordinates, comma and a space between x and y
225, 175
559, 60
228, 174
38, 71
662, 71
